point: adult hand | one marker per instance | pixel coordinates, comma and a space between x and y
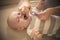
44, 15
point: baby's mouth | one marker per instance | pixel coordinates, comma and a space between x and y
25, 17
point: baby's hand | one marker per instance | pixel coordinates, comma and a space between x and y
25, 8
36, 35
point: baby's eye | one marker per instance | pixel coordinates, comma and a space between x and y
18, 13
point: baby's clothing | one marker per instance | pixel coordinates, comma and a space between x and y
48, 27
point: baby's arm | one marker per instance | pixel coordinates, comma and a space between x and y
31, 30
35, 34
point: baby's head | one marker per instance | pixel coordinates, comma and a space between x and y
18, 21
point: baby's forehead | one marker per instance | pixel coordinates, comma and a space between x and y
15, 13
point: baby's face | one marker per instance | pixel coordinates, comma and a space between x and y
17, 21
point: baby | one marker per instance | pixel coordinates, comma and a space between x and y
20, 21
36, 27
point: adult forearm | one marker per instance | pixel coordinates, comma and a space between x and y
55, 9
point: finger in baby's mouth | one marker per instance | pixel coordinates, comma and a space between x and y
23, 14
25, 17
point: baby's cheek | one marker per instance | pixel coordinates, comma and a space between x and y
20, 27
